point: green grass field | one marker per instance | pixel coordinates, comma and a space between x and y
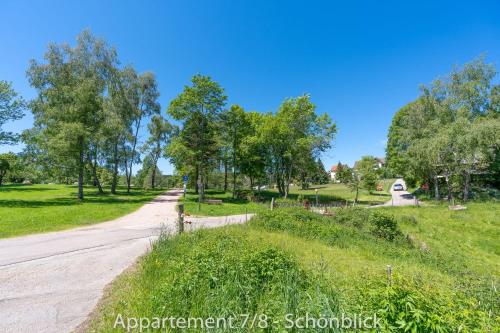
445, 270
326, 193
27, 209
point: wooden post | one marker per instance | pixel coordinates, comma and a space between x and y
180, 221
272, 203
316, 190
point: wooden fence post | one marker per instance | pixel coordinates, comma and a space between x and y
272, 203
180, 221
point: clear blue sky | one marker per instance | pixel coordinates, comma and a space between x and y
360, 61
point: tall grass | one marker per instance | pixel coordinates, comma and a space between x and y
290, 261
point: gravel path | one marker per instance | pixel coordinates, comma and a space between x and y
51, 282
401, 198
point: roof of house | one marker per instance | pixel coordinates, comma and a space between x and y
334, 168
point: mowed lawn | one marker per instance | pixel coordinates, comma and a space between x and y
27, 209
293, 261
326, 193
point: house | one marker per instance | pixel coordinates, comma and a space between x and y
333, 173
380, 161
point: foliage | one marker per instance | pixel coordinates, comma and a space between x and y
70, 87
385, 226
11, 108
199, 107
450, 132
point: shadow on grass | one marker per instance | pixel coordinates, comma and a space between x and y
134, 197
24, 188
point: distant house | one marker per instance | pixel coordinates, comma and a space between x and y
333, 173
380, 161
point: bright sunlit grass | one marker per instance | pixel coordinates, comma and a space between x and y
27, 209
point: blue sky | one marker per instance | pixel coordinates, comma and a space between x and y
360, 61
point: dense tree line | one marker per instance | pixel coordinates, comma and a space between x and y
89, 111
265, 148
450, 135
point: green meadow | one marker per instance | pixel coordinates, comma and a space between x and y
326, 193
27, 209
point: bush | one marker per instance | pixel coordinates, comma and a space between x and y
410, 219
410, 306
384, 226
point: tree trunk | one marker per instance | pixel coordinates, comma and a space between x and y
234, 181
96, 181
436, 189
115, 170
357, 194
448, 185
81, 162
153, 177
466, 185
1, 179
196, 182
225, 172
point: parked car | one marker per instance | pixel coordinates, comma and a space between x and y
398, 187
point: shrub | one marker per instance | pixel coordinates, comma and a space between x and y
410, 306
410, 219
384, 226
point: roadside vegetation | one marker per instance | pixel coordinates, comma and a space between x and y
27, 209
445, 267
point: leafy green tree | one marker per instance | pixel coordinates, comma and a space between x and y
159, 135
70, 87
7, 162
144, 100
253, 153
367, 172
198, 107
449, 131
343, 173
294, 131
120, 111
236, 127
321, 176
11, 108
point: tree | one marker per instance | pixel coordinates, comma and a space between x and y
351, 178
320, 175
68, 107
119, 108
294, 132
438, 135
7, 161
236, 128
11, 108
253, 154
344, 173
367, 171
143, 98
198, 107
159, 135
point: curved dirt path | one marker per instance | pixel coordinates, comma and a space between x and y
51, 282
401, 198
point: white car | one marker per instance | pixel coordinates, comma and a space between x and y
398, 187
